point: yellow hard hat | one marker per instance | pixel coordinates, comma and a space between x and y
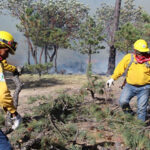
141, 46
6, 39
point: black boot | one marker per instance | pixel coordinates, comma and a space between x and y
127, 109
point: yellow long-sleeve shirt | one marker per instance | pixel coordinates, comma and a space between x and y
137, 74
8, 67
6, 100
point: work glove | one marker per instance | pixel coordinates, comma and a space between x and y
18, 71
110, 82
16, 121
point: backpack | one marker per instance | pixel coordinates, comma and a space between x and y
126, 71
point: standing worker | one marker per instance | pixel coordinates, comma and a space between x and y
7, 45
137, 69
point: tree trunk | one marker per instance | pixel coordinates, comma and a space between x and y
40, 60
89, 57
28, 55
35, 55
45, 54
89, 67
52, 56
56, 49
112, 51
111, 60
17, 90
33, 52
8, 121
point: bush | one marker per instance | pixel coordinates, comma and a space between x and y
38, 68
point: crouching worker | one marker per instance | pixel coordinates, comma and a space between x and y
7, 45
137, 68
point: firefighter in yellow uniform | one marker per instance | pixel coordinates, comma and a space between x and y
7, 45
137, 78
9, 67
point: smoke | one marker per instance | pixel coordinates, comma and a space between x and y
68, 61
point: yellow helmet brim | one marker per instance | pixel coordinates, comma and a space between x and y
143, 50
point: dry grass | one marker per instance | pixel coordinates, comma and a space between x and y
66, 79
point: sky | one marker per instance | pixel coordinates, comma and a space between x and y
8, 23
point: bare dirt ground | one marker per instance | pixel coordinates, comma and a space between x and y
54, 84
45, 86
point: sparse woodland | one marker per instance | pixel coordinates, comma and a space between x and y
74, 112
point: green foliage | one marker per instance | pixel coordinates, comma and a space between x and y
89, 37
135, 139
69, 131
132, 130
92, 140
46, 143
58, 119
59, 110
1, 5
33, 99
126, 36
48, 24
83, 134
65, 107
145, 27
44, 109
146, 17
67, 122
129, 13
21, 134
89, 71
97, 112
95, 84
75, 147
36, 125
38, 68
29, 11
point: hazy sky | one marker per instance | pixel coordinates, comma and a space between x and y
8, 23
